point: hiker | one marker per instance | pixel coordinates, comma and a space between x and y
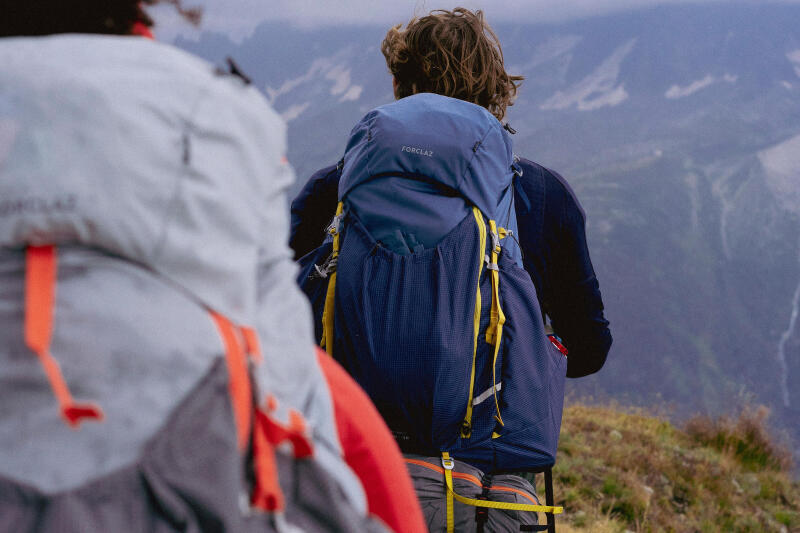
550, 219
157, 365
450, 54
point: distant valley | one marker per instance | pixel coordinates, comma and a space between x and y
679, 129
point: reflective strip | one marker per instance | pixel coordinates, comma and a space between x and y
466, 426
486, 394
327, 314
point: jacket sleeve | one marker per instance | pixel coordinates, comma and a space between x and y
313, 209
557, 257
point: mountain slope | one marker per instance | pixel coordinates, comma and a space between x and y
619, 470
678, 128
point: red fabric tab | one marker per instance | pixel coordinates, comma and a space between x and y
141, 30
294, 433
561, 348
74, 413
267, 494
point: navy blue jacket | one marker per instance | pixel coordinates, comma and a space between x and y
552, 235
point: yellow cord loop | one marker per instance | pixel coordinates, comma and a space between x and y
466, 425
327, 313
448, 463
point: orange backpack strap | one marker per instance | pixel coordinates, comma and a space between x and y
40, 297
239, 387
251, 343
267, 494
253, 426
267, 434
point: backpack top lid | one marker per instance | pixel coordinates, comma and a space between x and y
452, 142
137, 148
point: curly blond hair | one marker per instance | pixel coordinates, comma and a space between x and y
452, 53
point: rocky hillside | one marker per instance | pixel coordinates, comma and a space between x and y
626, 471
679, 129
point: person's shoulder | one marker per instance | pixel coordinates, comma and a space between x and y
324, 181
556, 187
327, 173
323, 185
551, 178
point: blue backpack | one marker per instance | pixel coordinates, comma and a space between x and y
418, 290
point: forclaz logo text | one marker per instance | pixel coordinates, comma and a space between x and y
414, 150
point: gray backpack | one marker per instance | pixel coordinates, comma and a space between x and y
142, 263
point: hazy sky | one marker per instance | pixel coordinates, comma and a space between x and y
238, 17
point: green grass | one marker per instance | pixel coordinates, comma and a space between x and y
625, 470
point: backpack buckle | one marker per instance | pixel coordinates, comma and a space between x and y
335, 224
326, 268
448, 463
320, 273
495, 241
481, 513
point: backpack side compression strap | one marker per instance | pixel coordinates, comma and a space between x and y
257, 433
466, 426
327, 314
448, 463
494, 334
238, 379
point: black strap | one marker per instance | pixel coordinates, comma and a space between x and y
233, 70
482, 513
549, 499
550, 526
